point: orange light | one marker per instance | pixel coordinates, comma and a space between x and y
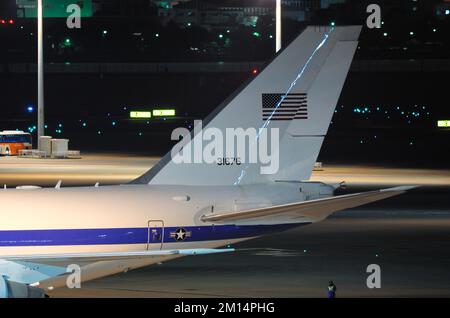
255, 71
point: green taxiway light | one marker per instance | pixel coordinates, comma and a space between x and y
163, 112
140, 114
443, 123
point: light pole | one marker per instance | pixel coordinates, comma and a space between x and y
278, 26
40, 72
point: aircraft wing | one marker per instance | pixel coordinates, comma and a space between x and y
91, 257
313, 210
49, 271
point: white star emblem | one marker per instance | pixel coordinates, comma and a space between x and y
180, 234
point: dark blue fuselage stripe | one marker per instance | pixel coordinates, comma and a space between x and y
134, 235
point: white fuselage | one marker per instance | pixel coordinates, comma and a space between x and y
133, 217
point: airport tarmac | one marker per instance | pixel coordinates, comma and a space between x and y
408, 236
116, 169
91, 168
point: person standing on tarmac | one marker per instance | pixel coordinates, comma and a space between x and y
331, 290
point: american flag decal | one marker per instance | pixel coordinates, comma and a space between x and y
292, 106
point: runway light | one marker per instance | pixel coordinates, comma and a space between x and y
220, 36
332, 23
11, 21
67, 42
256, 34
140, 114
385, 34
163, 112
443, 123
30, 108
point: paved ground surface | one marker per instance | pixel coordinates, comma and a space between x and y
92, 168
113, 169
408, 236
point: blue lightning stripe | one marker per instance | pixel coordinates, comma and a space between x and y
299, 75
291, 86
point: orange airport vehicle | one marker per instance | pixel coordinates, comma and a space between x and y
12, 141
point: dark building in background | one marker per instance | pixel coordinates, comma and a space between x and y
230, 14
7, 9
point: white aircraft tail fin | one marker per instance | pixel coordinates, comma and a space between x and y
293, 97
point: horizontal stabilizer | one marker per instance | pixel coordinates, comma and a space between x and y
313, 210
